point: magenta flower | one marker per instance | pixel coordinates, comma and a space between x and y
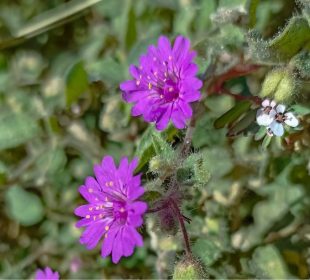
47, 274
164, 84
112, 211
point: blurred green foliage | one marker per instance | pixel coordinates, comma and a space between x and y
61, 110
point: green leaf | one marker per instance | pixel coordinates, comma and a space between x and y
151, 196
48, 20
108, 70
242, 124
266, 142
231, 3
207, 251
260, 133
267, 263
16, 129
145, 149
212, 164
76, 83
252, 7
302, 64
52, 161
233, 114
300, 109
24, 207
131, 28
153, 143
294, 37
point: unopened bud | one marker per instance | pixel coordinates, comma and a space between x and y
279, 85
189, 269
155, 164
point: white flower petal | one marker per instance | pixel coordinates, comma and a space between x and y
273, 103
280, 108
291, 120
266, 103
264, 119
272, 113
277, 128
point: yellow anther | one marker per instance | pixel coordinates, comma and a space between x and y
138, 82
87, 216
171, 89
90, 208
107, 228
122, 210
94, 218
90, 190
100, 216
101, 206
111, 184
161, 96
150, 86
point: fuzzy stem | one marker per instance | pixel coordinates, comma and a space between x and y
183, 228
157, 209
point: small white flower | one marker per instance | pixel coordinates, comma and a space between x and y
265, 115
279, 118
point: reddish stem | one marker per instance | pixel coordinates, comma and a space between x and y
182, 225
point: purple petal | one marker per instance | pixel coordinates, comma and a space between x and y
128, 244
107, 245
178, 119
136, 237
163, 120
164, 47
180, 48
117, 250
138, 207
128, 85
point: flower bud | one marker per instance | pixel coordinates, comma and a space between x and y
155, 164
189, 269
279, 85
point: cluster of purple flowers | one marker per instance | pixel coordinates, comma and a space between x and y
162, 87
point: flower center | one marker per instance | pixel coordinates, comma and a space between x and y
280, 117
170, 91
120, 212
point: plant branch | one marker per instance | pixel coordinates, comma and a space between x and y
180, 217
157, 209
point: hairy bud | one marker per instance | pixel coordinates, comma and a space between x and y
189, 269
279, 85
